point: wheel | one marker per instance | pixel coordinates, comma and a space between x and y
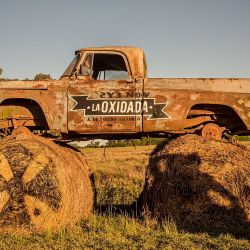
212, 131
42, 186
21, 131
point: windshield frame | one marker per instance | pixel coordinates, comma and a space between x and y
72, 67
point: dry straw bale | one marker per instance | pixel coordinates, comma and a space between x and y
199, 183
42, 185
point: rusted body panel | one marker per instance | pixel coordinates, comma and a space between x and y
100, 123
181, 95
177, 97
51, 96
81, 105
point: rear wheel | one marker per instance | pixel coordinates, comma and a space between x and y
212, 131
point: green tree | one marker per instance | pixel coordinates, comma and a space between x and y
42, 76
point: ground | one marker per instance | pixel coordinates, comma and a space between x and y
119, 175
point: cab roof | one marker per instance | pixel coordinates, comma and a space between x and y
115, 48
135, 56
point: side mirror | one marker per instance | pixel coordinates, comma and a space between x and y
85, 71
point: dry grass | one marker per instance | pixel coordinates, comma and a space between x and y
119, 172
120, 232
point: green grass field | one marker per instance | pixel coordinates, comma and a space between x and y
119, 176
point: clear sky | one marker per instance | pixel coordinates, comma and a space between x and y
181, 38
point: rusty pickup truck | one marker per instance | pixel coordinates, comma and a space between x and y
105, 93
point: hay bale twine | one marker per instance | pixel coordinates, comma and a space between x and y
200, 184
42, 185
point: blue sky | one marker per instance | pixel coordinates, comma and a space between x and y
181, 38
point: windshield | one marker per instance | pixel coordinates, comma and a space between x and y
72, 66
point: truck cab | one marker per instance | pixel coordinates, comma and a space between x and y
108, 63
105, 90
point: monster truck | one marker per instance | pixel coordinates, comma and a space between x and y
105, 93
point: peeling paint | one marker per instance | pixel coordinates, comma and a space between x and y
194, 97
240, 101
247, 104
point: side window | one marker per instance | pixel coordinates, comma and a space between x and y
86, 67
105, 67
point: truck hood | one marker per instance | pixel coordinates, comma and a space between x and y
24, 84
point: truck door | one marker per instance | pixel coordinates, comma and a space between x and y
102, 98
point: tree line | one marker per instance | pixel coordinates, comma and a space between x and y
37, 77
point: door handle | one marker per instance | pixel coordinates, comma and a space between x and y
129, 81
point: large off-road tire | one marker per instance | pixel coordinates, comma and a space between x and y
200, 184
42, 185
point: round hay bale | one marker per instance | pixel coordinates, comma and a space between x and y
200, 184
42, 185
